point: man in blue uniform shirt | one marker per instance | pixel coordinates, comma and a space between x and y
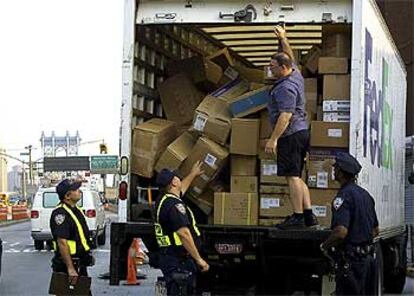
354, 227
177, 233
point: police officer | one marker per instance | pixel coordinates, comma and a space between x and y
354, 226
71, 239
177, 234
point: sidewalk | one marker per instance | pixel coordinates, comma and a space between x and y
12, 222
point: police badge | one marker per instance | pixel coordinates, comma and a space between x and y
59, 219
181, 208
337, 203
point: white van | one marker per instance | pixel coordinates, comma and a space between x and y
45, 201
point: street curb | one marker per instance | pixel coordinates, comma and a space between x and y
12, 222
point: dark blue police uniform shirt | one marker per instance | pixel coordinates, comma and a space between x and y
288, 95
354, 208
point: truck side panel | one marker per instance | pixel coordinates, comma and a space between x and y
378, 101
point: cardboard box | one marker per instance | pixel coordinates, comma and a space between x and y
204, 201
251, 74
232, 89
244, 184
176, 152
329, 134
245, 136
222, 58
311, 59
336, 106
332, 65
268, 172
311, 98
337, 87
213, 119
320, 168
321, 205
255, 86
336, 116
270, 222
262, 153
249, 103
274, 189
149, 140
235, 208
213, 157
275, 205
203, 72
336, 41
179, 90
265, 128
242, 165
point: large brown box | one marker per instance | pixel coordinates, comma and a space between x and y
176, 152
222, 58
336, 41
270, 222
213, 157
251, 74
275, 205
203, 72
320, 169
311, 59
204, 201
311, 96
329, 134
265, 126
176, 91
245, 136
213, 119
332, 65
244, 184
322, 205
336, 87
242, 165
236, 208
149, 140
273, 189
268, 172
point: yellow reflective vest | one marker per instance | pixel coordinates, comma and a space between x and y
165, 240
72, 243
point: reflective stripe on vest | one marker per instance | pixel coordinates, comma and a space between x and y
72, 243
165, 240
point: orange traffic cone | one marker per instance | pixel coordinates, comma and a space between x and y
132, 269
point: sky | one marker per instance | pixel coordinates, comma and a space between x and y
60, 70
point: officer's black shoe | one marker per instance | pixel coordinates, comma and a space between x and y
311, 220
296, 221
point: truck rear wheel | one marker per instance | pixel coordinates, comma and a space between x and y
379, 271
395, 275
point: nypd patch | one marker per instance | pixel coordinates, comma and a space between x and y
59, 219
181, 208
337, 203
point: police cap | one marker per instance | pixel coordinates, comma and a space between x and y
165, 177
347, 163
65, 186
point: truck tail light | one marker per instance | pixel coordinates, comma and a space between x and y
90, 213
123, 189
34, 214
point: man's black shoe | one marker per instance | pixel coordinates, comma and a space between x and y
311, 221
292, 222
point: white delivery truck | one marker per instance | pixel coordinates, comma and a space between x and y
271, 261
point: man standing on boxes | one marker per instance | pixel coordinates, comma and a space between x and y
290, 136
177, 233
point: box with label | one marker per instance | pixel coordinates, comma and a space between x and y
275, 205
268, 172
322, 205
265, 127
203, 201
329, 134
235, 208
242, 165
245, 136
204, 73
232, 89
244, 184
336, 106
274, 189
176, 152
213, 119
249, 103
311, 59
320, 169
332, 65
213, 157
336, 116
336, 87
149, 141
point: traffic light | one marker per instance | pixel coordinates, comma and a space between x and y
103, 149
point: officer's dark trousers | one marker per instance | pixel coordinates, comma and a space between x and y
359, 279
171, 265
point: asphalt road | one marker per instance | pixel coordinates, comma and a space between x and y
26, 271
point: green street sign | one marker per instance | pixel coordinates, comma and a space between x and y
104, 164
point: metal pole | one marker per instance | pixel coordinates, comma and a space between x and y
30, 165
24, 182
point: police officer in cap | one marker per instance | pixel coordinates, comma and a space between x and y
177, 234
354, 227
71, 238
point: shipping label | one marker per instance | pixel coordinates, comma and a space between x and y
200, 122
210, 160
322, 180
268, 203
320, 211
334, 132
270, 170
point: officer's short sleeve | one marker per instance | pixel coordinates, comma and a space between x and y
286, 98
60, 224
341, 212
177, 215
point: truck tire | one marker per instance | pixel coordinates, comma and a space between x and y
39, 244
379, 274
102, 237
394, 280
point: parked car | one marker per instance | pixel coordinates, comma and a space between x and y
45, 201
